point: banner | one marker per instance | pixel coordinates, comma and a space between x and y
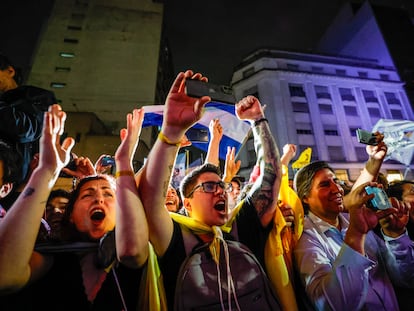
399, 137
234, 130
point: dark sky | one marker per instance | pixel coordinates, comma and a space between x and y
208, 36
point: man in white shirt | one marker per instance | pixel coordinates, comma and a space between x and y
342, 263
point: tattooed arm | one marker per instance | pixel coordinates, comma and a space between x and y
265, 189
19, 264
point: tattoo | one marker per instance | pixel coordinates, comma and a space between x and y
269, 160
28, 192
167, 182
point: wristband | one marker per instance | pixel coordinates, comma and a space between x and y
257, 122
164, 139
124, 173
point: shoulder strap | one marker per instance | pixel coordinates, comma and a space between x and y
191, 240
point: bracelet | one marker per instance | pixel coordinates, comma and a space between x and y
257, 122
124, 173
164, 139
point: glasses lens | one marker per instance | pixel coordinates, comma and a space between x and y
210, 186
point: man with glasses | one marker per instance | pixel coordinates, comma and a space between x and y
203, 192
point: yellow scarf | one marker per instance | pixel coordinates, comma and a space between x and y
280, 244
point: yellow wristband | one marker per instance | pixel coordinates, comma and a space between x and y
124, 173
164, 139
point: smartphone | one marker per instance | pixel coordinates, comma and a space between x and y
218, 93
380, 201
105, 161
366, 137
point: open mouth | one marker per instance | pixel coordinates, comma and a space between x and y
97, 215
221, 206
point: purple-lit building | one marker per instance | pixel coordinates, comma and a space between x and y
318, 100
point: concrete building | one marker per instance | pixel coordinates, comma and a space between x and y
319, 101
100, 56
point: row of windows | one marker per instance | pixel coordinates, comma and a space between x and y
74, 27
338, 71
307, 130
346, 94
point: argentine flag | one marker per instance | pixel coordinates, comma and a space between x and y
234, 130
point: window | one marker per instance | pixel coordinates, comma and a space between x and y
346, 94
392, 98
396, 114
67, 54
292, 66
316, 69
78, 16
62, 69
296, 91
304, 132
57, 85
322, 92
336, 153
350, 110
248, 72
77, 28
384, 76
331, 132
69, 40
374, 112
300, 107
361, 154
363, 74
369, 96
325, 109
340, 72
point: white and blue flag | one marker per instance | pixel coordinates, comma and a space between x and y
234, 130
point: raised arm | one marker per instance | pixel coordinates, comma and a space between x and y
266, 187
216, 133
181, 112
131, 230
19, 228
373, 165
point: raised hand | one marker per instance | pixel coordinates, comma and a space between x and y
129, 138
182, 111
231, 166
215, 129
394, 224
249, 108
52, 154
83, 167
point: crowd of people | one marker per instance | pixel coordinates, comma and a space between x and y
119, 241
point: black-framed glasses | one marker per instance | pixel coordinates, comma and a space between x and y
211, 187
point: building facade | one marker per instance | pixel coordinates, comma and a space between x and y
100, 56
319, 101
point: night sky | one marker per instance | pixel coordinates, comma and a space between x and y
211, 37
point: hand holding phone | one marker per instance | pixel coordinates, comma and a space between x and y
366, 137
218, 93
380, 201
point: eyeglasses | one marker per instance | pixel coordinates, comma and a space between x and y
211, 187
